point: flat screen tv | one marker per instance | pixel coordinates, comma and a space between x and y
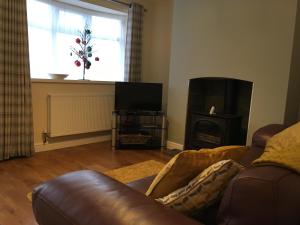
138, 96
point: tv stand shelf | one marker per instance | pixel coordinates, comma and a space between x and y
138, 130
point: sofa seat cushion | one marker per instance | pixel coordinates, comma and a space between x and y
141, 185
186, 165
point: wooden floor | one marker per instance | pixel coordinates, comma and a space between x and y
19, 176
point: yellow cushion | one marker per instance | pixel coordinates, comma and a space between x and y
186, 165
204, 189
283, 149
287, 138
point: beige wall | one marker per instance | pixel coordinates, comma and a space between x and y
250, 40
157, 44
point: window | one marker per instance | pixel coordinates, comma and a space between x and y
53, 27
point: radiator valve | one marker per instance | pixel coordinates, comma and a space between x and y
45, 137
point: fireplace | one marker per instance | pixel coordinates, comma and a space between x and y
208, 131
217, 112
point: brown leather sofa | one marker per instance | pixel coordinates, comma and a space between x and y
264, 195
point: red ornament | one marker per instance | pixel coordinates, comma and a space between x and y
96, 58
78, 40
77, 63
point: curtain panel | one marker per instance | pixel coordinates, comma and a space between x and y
16, 129
133, 50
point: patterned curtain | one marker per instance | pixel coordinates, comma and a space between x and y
16, 131
133, 51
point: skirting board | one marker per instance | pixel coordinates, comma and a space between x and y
174, 145
40, 147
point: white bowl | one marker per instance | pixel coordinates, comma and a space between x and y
58, 76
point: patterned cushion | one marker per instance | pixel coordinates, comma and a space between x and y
186, 165
204, 189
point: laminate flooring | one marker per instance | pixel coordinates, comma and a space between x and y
19, 176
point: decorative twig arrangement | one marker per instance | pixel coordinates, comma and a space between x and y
85, 51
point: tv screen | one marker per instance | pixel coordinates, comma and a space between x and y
138, 96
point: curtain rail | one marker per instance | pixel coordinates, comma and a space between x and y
120, 2
123, 3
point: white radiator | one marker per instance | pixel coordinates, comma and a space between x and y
79, 113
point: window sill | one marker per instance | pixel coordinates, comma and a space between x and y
34, 80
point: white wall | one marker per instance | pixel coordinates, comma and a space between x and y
249, 40
157, 44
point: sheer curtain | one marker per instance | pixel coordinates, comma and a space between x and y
16, 129
53, 29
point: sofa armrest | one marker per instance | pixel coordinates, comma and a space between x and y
90, 198
262, 135
262, 195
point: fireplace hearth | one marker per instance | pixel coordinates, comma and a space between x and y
217, 112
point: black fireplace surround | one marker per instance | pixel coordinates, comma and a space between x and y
217, 112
